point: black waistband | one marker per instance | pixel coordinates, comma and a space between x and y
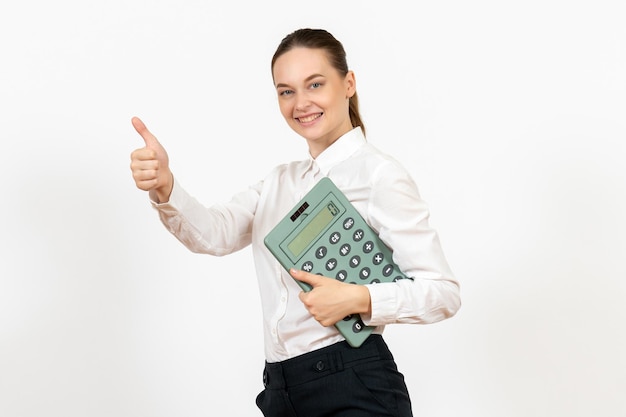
322, 362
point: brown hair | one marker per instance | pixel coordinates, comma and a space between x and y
321, 39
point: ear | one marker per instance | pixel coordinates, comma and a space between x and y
350, 84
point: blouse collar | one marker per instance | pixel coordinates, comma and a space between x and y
339, 151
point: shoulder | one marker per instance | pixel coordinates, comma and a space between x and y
377, 163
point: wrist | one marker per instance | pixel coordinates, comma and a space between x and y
164, 192
363, 300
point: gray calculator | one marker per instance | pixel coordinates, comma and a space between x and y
325, 235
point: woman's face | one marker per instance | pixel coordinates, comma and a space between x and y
313, 97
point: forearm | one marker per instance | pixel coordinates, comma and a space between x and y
217, 230
418, 301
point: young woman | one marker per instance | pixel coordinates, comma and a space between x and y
310, 370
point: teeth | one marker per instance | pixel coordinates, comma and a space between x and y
309, 118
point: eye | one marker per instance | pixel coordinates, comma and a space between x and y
316, 84
285, 93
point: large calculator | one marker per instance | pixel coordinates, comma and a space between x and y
325, 235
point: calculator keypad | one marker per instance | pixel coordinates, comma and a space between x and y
356, 256
352, 257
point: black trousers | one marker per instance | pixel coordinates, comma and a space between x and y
337, 381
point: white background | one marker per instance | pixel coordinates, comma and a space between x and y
510, 116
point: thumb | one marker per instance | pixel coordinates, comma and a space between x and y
150, 140
305, 277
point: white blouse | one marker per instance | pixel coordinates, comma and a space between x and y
385, 195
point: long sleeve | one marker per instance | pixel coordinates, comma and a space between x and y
399, 214
217, 230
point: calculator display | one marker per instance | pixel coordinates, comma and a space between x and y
312, 230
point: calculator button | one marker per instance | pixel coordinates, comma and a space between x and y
348, 317
335, 237
368, 246
307, 266
358, 235
358, 326
388, 270
321, 252
345, 249
355, 261
375, 281
365, 273
378, 258
331, 264
348, 223
341, 275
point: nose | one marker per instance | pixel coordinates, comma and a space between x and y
302, 103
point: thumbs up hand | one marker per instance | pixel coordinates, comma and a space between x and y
150, 164
330, 300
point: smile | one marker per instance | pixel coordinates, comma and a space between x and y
310, 118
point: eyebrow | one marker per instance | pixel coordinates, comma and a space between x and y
309, 78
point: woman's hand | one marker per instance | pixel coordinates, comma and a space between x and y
329, 300
150, 165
